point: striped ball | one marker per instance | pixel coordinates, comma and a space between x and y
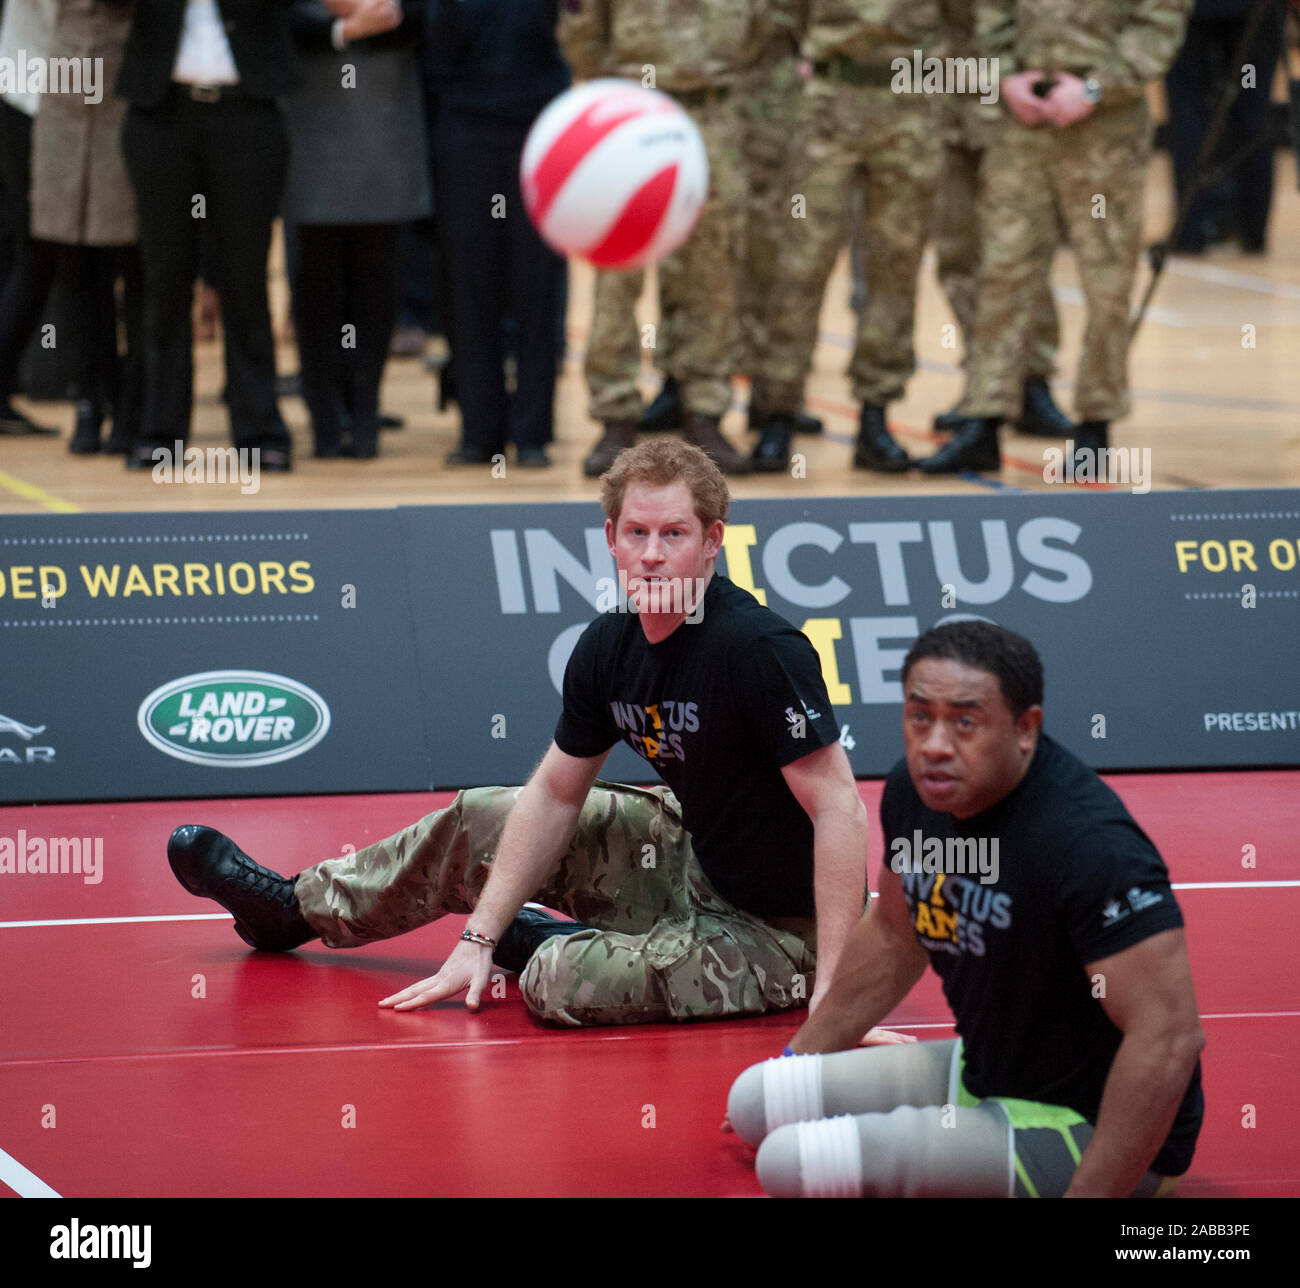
614, 173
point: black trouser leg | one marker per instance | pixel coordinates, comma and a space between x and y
162, 158
371, 269
244, 154
318, 309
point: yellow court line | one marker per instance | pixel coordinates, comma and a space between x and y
31, 492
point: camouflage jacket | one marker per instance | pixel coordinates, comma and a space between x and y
875, 31
1121, 43
670, 44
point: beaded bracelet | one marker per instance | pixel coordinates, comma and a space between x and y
475, 938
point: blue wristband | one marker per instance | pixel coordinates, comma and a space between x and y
787, 1051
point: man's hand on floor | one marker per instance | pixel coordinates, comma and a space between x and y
468, 967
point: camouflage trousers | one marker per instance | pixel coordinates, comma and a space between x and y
959, 228
697, 287
663, 944
1091, 175
891, 144
769, 103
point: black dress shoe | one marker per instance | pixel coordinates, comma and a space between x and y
665, 410
387, 421
85, 435
212, 866
275, 460
468, 456
120, 437
530, 929
139, 456
1039, 415
360, 449
973, 446
532, 458
876, 449
771, 454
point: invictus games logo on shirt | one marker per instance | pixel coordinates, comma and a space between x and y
234, 718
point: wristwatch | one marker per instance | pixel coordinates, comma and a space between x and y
1092, 89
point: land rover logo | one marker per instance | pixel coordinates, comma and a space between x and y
235, 718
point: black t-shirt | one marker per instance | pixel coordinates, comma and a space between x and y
1076, 881
718, 708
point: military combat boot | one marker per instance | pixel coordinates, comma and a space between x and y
618, 435
705, 433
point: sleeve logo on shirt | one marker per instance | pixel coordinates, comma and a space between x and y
799, 723
1113, 913
1138, 899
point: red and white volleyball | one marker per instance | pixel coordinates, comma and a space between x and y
614, 173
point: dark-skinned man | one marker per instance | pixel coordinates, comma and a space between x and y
1048, 915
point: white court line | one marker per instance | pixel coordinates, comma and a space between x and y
225, 916
117, 921
24, 1183
1231, 277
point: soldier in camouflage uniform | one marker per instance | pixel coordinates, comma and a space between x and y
693, 50
767, 97
969, 126
1075, 143
775, 814
854, 124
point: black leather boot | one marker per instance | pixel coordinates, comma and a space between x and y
946, 421
85, 436
266, 910
771, 454
530, 929
618, 435
1039, 415
973, 446
705, 432
665, 410
876, 449
1092, 435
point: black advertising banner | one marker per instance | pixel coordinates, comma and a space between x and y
188, 655
177, 655
1168, 622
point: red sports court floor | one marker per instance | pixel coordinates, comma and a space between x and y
285, 1078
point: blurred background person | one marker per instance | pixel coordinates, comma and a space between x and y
25, 31
83, 210
206, 149
495, 64
357, 172
1207, 64
698, 55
